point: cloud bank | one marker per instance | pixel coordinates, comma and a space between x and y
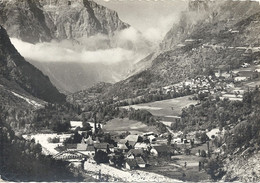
125, 46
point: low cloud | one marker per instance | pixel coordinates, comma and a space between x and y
156, 33
125, 46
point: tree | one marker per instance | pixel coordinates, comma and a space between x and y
214, 169
203, 154
203, 137
101, 157
86, 126
169, 139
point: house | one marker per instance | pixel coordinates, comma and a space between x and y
140, 162
133, 153
101, 147
63, 137
132, 138
122, 147
152, 138
72, 156
240, 78
89, 141
178, 141
131, 164
82, 146
160, 151
76, 124
148, 133
111, 148
122, 141
71, 147
86, 149
141, 145
90, 151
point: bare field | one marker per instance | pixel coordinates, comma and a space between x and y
171, 107
122, 125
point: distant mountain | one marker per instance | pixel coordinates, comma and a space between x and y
17, 75
204, 39
43, 20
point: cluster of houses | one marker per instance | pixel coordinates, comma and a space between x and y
137, 150
223, 84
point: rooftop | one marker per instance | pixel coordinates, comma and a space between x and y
162, 148
136, 152
132, 163
101, 145
140, 160
133, 138
90, 148
82, 147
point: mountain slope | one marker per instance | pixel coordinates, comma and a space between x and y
14, 68
199, 45
35, 21
72, 77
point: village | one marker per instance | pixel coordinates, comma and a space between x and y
127, 152
225, 83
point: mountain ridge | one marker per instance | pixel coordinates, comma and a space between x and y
36, 21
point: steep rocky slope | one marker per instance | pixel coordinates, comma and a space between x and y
21, 75
43, 20
71, 77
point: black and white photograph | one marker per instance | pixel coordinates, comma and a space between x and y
130, 91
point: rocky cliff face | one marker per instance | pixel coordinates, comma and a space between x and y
15, 69
43, 20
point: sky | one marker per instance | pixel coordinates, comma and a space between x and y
153, 18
